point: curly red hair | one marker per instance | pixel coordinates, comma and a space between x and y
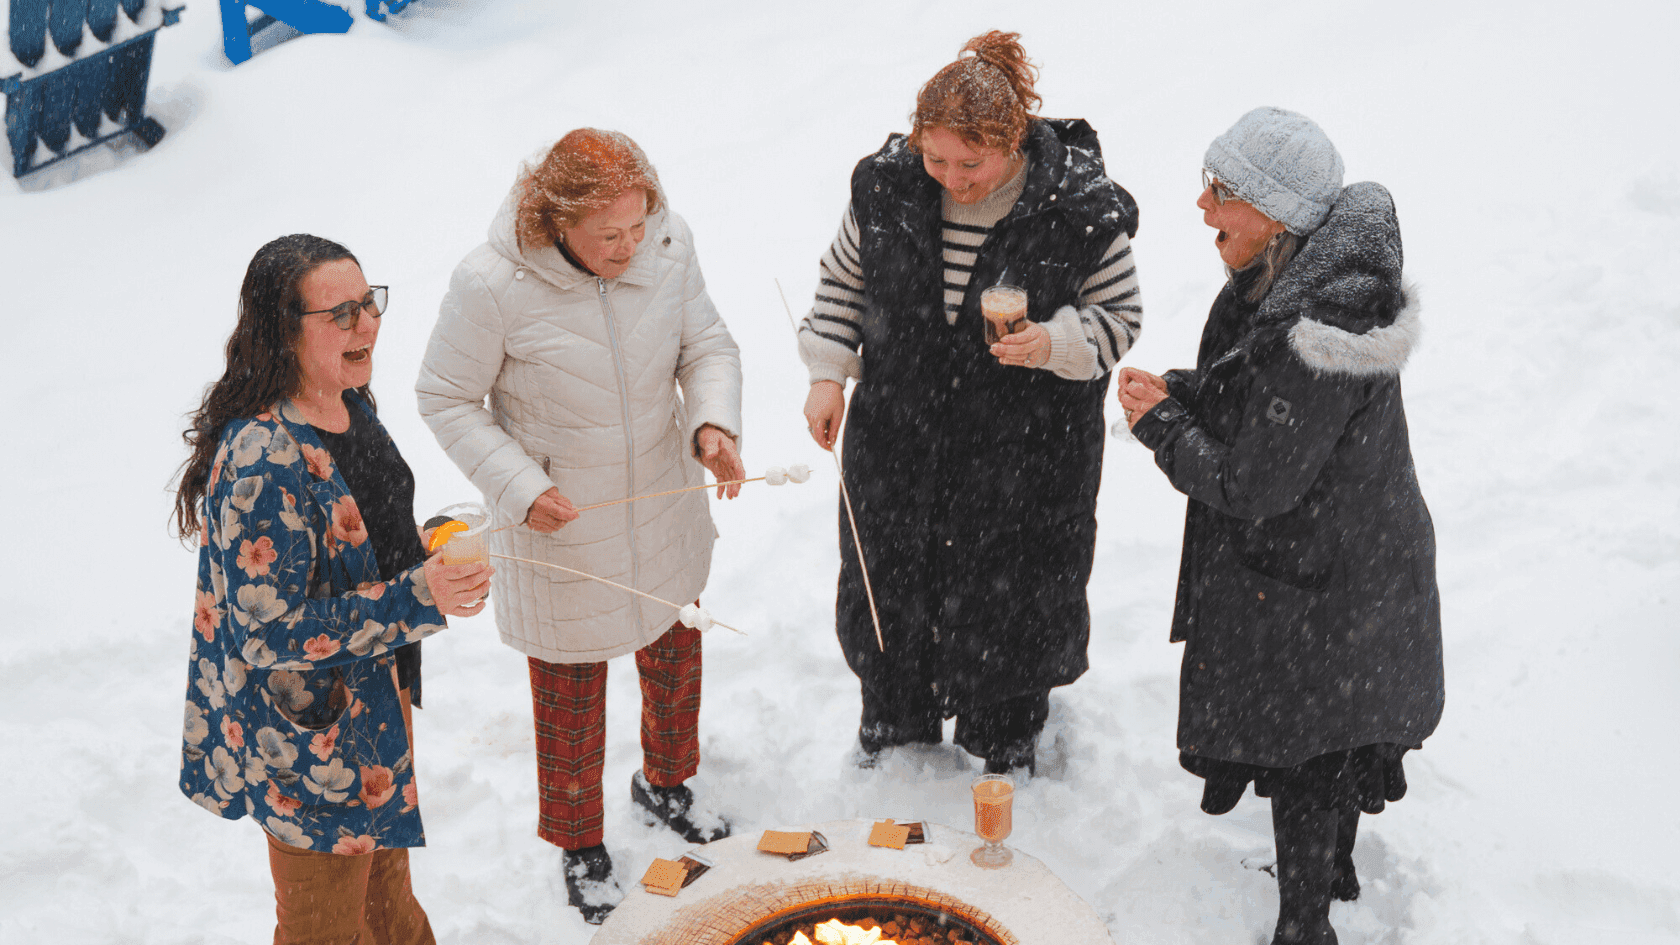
985, 98
584, 172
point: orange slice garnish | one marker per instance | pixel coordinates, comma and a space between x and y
442, 533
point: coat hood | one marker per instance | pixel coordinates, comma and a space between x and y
1352, 312
552, 267
1069, 174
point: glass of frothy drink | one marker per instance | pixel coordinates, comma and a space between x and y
994, 802
1005, 308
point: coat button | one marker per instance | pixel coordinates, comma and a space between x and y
947, 542
1201, 666
1262, 595
519, 273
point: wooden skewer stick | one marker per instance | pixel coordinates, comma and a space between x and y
655, 495
857, 543
559, 567
635, 498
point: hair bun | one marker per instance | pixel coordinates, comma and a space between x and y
967, 98
1004, 52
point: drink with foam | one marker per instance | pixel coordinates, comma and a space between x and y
1005, 309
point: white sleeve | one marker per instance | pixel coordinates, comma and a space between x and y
462, 361
1086, 342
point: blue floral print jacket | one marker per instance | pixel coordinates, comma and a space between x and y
292, 713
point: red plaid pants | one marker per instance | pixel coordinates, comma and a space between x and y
570, 708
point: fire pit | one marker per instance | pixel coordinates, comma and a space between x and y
929, 894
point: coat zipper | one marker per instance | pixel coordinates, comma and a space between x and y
629, 449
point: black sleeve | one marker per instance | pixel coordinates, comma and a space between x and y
1291, 421
1181, 386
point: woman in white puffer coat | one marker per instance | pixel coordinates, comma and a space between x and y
579, 320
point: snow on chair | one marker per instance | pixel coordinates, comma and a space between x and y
74, 73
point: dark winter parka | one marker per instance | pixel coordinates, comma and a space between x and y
974, 484
1306, 594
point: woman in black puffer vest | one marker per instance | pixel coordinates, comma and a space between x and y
972, 466
1306, 596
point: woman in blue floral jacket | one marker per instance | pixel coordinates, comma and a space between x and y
295, 713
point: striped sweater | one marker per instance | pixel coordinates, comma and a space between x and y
1085, 342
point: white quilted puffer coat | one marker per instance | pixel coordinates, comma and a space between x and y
582, 376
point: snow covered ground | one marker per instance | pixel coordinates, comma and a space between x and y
1531, 150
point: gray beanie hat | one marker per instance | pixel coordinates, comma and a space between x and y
1282, 163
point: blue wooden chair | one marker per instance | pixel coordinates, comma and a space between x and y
99, 95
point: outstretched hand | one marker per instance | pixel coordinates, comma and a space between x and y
717, 453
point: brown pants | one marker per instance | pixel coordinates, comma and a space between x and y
332, 899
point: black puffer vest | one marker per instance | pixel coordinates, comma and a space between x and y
975, 484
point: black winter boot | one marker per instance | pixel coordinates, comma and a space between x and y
673, 807
590, 885
1009, 761
1345, 885
1306, 851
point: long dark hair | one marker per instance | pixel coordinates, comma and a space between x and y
262, 366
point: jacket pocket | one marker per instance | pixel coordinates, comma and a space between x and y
309, 704
1298, 548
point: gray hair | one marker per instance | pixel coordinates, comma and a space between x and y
1272, 259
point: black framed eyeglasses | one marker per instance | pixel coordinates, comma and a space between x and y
1221, 193
347, 314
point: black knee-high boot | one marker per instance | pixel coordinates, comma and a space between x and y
1345, 885
1306, 851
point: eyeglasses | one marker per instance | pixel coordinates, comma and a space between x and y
1221, 193
346, 315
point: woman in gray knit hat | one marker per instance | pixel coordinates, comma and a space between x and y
1306, 596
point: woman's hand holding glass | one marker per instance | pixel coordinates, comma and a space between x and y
1029, 347
1139, 392
458, 589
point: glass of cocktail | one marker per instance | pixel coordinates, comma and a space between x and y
465, 546
994, 801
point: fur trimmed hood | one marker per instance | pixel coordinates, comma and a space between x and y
1351, 311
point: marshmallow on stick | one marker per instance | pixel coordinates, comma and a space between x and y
775, 476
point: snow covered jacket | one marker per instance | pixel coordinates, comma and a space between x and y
292, 714
974, 484
582, 376
1306, 593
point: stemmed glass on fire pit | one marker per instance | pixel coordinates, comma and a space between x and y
994, 801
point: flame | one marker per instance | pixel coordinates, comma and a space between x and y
835, 932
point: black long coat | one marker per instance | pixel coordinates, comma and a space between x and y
974, 484
1306, 594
